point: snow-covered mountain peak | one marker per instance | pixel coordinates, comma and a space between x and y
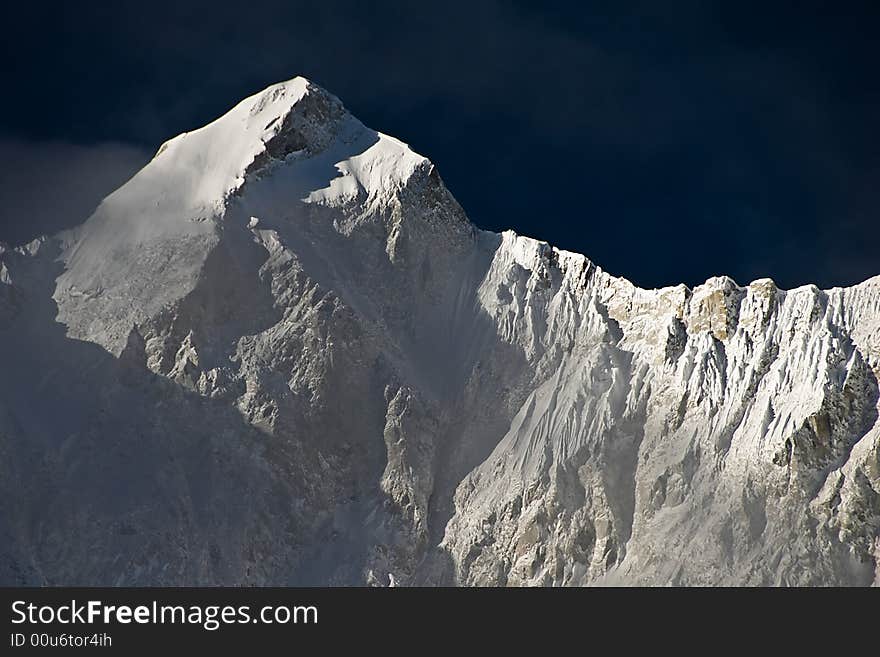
288, 118
290, 123
286, 356
272, 156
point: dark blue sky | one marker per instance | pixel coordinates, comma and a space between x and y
668, 141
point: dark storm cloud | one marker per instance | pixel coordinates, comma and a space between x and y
668, 141
49, 186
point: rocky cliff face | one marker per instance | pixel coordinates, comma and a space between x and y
281, 354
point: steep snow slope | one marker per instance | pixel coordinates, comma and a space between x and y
282, 354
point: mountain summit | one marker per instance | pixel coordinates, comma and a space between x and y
281, 354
